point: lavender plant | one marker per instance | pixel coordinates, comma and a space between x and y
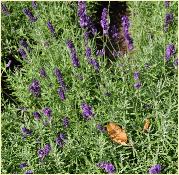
82, 80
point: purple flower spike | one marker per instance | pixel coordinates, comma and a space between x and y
36, 115
60, 140
100, 128
73, 53
42, 73
41, 154
65, 122
34, 4
47, 149
87, 111
9, 63
86, 37
47, 112
50, 27
168, 20
26, 131
137, 85
29, 172
22, 53
4, 9
44, 151
126, 25
156, 169
125, 22
88, 52
23, 165
170, 50
166, 3
108, 167
100, 52
136, 75
130, 46
104, 21
84, 19
61, 93
70, 44
29, 14
95, 64
35, 88
114, 32
60, 78
23, 43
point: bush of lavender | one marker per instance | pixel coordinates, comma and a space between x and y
71, 67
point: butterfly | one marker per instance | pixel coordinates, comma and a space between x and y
146, 124
116, 133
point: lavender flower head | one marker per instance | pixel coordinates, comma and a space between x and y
70, 44
81, 8
29, 172
136, 75
100, 128
47, 149
126, 25
104, 21
61, 93
84, 19
36, 115
170, 50
29, 14
137, 85
86, 37
114, 32
22, 53
100, 52
41, 154
60, 140
35, 88
23, 43
26, 131
50, 27
42, 72
23, 165
95, 64
88, 52
130, 45
87, 111
47, 112
168, 20
108, 167
73, 53
166, 3
34, 4
60, 78
4, 9
9, 63
65, 122
156, 169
